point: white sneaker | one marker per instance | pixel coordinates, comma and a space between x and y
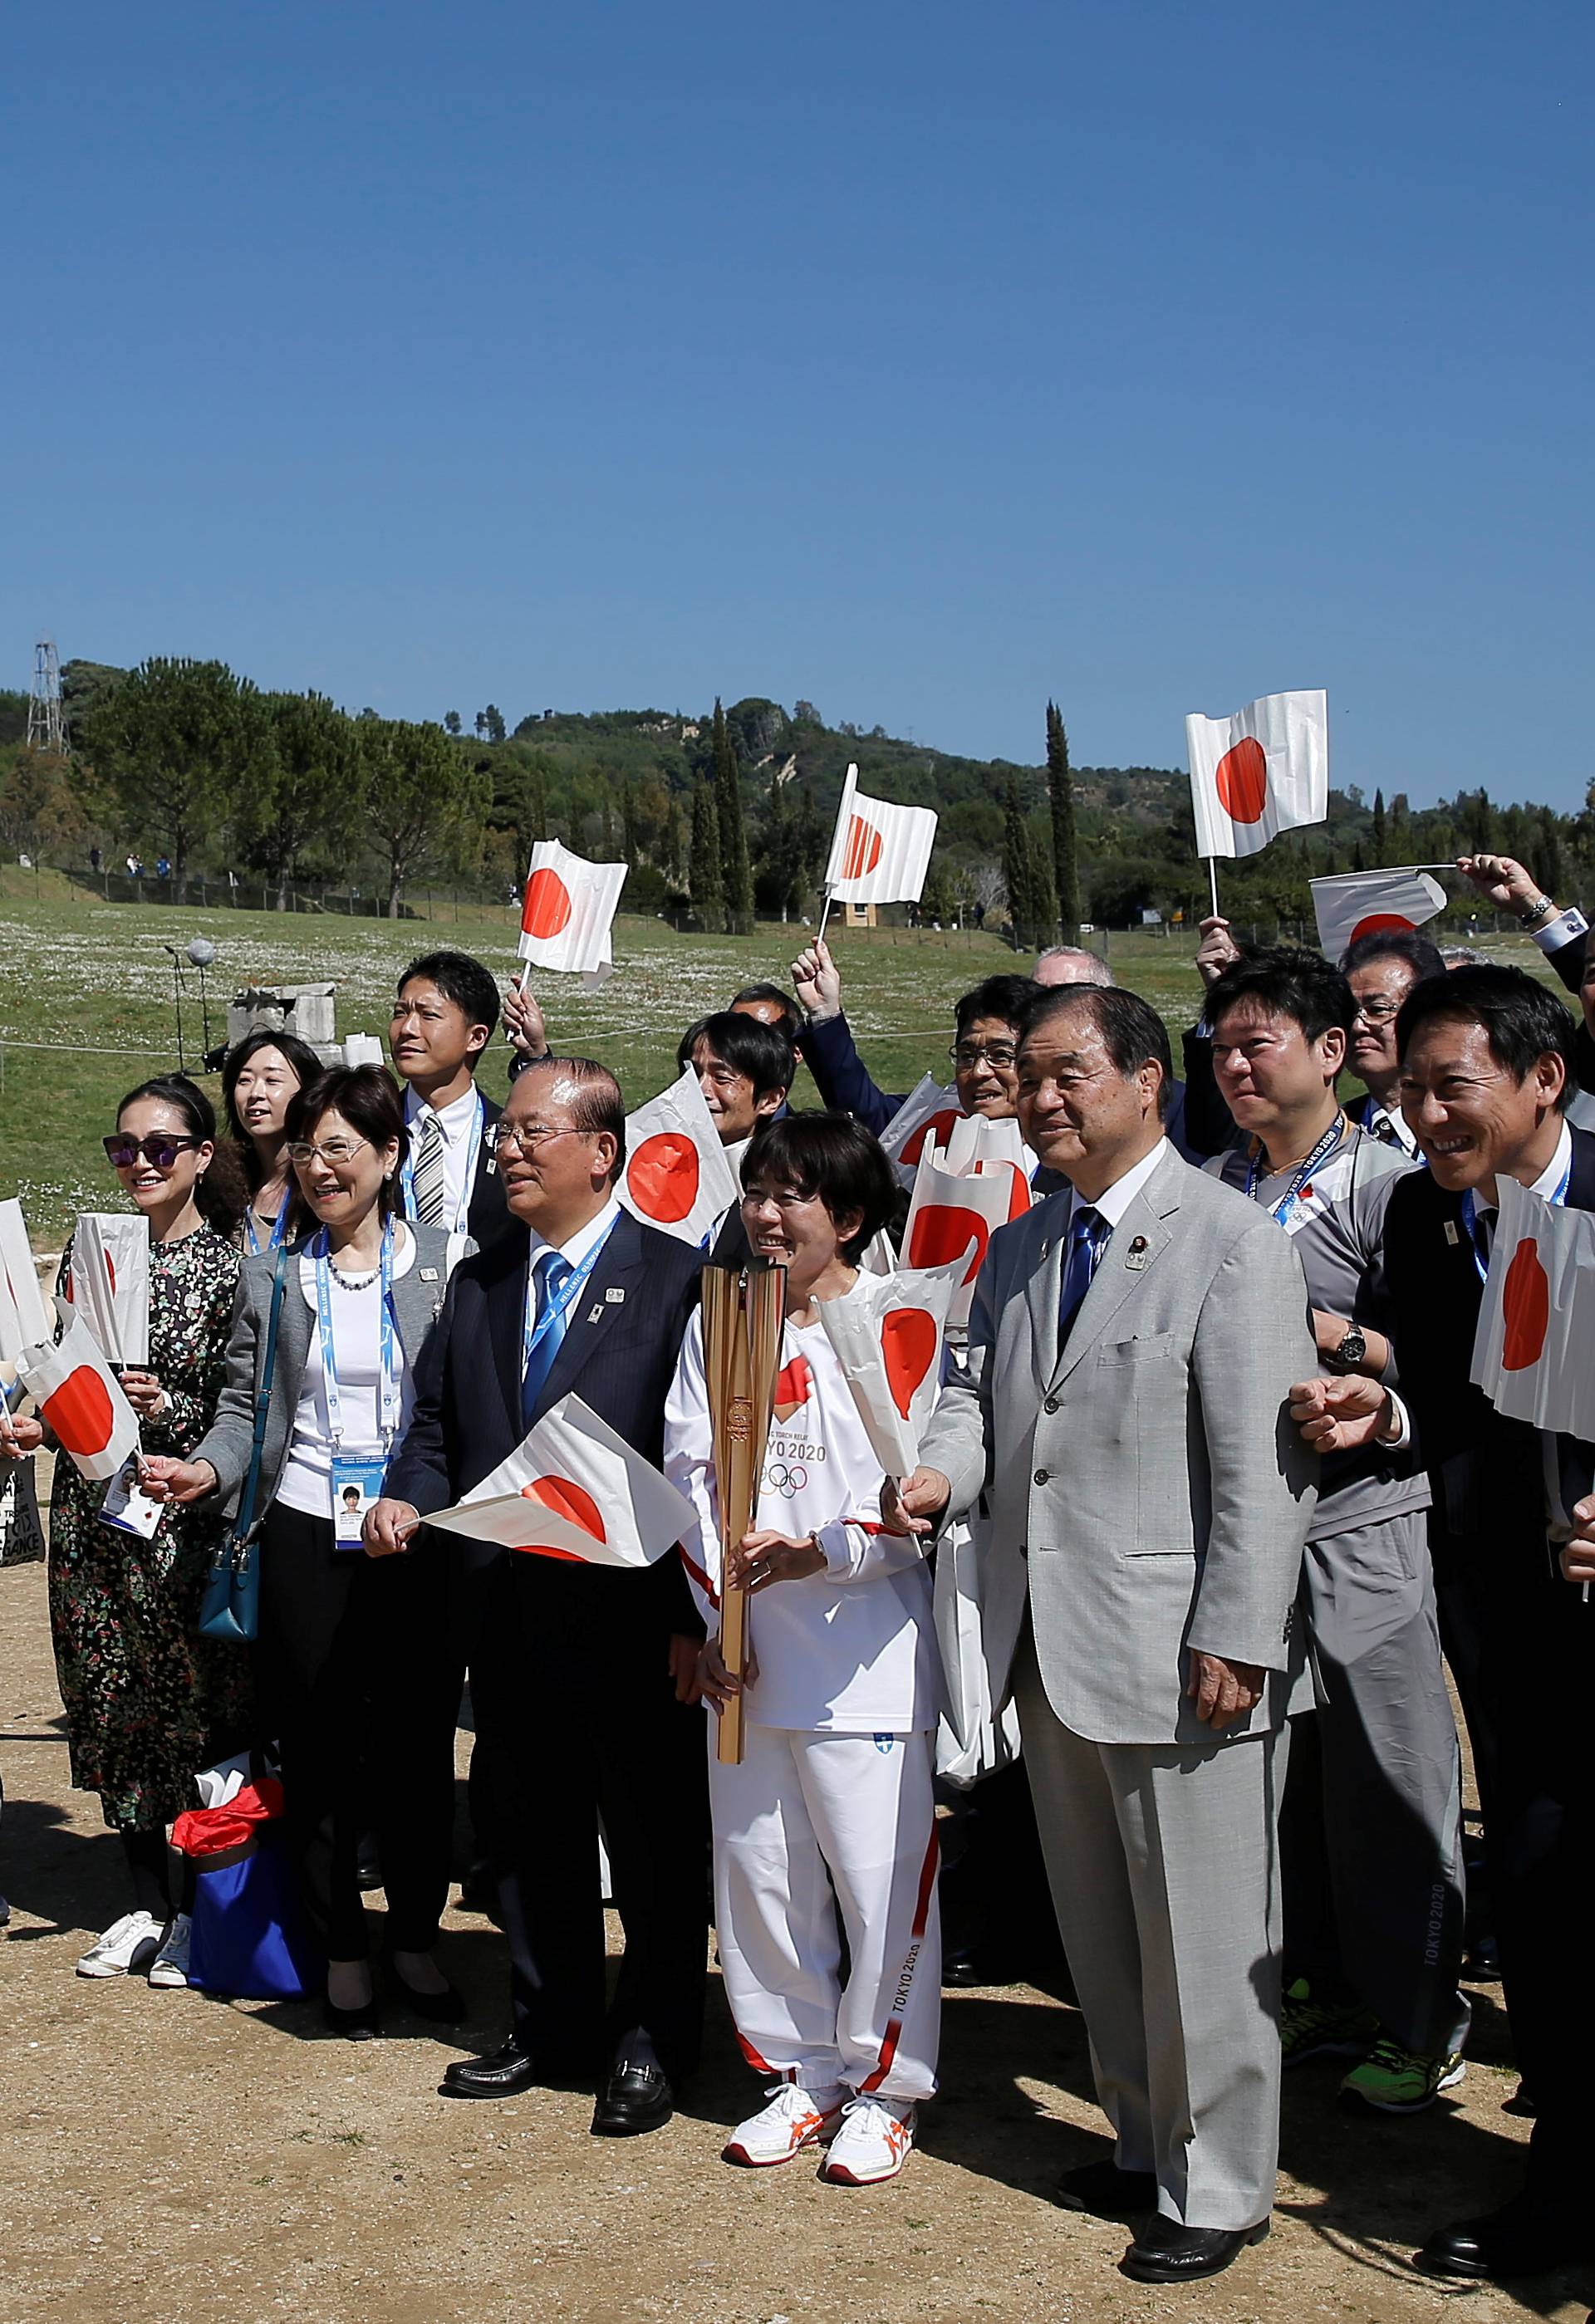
135, 1935
170, 1964
872, 2142
794, 2118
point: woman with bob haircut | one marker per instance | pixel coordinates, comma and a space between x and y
263, 1073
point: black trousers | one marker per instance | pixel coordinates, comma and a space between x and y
577, 1719
357, 1682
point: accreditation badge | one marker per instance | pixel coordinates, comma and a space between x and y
126, 1507
355, 1485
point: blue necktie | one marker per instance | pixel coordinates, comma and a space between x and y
1088, 1231
552, 1273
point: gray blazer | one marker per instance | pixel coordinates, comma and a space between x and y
418, 1302
1149, 1493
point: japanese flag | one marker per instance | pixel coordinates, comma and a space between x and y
887, 1334
570, 907
677, 1176
81, 1400
110, 1282
1358, 903
1534, 1351
574, 1489
24, 1322
881, 852
1261, 772
952, 1214
928, 1112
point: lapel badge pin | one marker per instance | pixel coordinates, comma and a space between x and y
595, 1314
614, 1296
1452, 1236
1136, 1257
429, 1275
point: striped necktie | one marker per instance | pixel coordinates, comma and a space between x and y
427, 1185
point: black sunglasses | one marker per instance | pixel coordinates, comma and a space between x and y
160, 1150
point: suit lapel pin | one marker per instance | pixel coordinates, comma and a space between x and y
595, 1314
1452, 1236
429, 1275
1045, 1249
1136, 1256
614, 1296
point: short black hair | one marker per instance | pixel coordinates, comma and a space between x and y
1421, 954
791, 1023
1289, 981
747, 1045
462, 979
1133, 1033
1522, 1022
1006, 997
596, 1102
832, 1156
365, 1095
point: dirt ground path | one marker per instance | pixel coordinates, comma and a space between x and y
170, 2157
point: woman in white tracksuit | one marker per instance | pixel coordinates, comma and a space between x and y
831, 1808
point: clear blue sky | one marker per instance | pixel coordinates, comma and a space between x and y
924, 360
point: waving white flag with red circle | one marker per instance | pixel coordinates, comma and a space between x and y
574, 1489
1365, 903
24, 1322
957, 1207
569, 909
927, 1112
80, 1399
887, 1334
1534, 1351
677, 1176
1261, 772
109, 1282
881, 852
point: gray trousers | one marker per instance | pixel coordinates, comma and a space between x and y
1372, 1835
1163, 1861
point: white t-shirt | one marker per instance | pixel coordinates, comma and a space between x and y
848, 1651
307, 1478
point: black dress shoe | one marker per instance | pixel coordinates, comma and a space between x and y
504, 2073
446, 2008
1106, 2191
1526, 2237
1167, 2252
479, 1888
361, 2025
634, 2098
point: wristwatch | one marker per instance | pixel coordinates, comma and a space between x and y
1537, 912
1352, 1349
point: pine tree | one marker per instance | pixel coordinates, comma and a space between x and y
1060, 792
1377, 829
736, 872
705, 884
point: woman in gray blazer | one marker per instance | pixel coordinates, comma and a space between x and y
353, 1667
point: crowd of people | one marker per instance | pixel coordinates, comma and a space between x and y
1237, 1513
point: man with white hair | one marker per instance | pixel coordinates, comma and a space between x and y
1071, 965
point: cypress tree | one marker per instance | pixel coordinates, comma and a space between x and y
1376, 833
1017, 870
1060, 792
736, 872
706, 888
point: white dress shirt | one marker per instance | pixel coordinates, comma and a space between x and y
1111, 1205
457, 1120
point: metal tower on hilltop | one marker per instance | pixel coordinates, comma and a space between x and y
47, 721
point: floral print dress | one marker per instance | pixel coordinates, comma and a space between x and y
149, 1702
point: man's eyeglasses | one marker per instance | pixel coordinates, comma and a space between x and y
1000, 1054
336, 1152
1378, 1012
160, 1150
528, 1137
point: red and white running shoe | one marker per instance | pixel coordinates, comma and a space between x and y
872, 2142
794, 2118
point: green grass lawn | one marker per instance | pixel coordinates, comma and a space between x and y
85, 1004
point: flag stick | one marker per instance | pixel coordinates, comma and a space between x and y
824, 916
1212, 882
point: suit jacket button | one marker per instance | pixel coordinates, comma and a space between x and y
1051, 1405
1041, 1476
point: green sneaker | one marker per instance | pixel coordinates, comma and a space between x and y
1317, 2028
1402, 2082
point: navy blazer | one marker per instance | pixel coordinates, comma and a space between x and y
619, 1355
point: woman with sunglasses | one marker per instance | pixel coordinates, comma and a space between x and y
353, 1665
263, 1073
148, 1702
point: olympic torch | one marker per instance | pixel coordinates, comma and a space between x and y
744, 1308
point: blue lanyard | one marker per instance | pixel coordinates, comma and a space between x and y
1472, 1229
539, 1321
388, 1405
468, 1184
278, 1233
1320, 1153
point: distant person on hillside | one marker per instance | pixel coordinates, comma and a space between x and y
163, 867
95, 859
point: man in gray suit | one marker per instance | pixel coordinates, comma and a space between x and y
1132, 1349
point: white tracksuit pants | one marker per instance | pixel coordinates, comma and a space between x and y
861, 1807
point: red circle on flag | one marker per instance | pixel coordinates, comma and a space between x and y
111, 1271
1376, 922
567, 1500
1018, 1196
937, 1126
909, 1341
662, 1176
1526, 1305
1242, 780
80, 1412
942, 1232
792, 1386
548, 905
864, 848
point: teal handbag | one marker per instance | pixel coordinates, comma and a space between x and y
230, 1607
